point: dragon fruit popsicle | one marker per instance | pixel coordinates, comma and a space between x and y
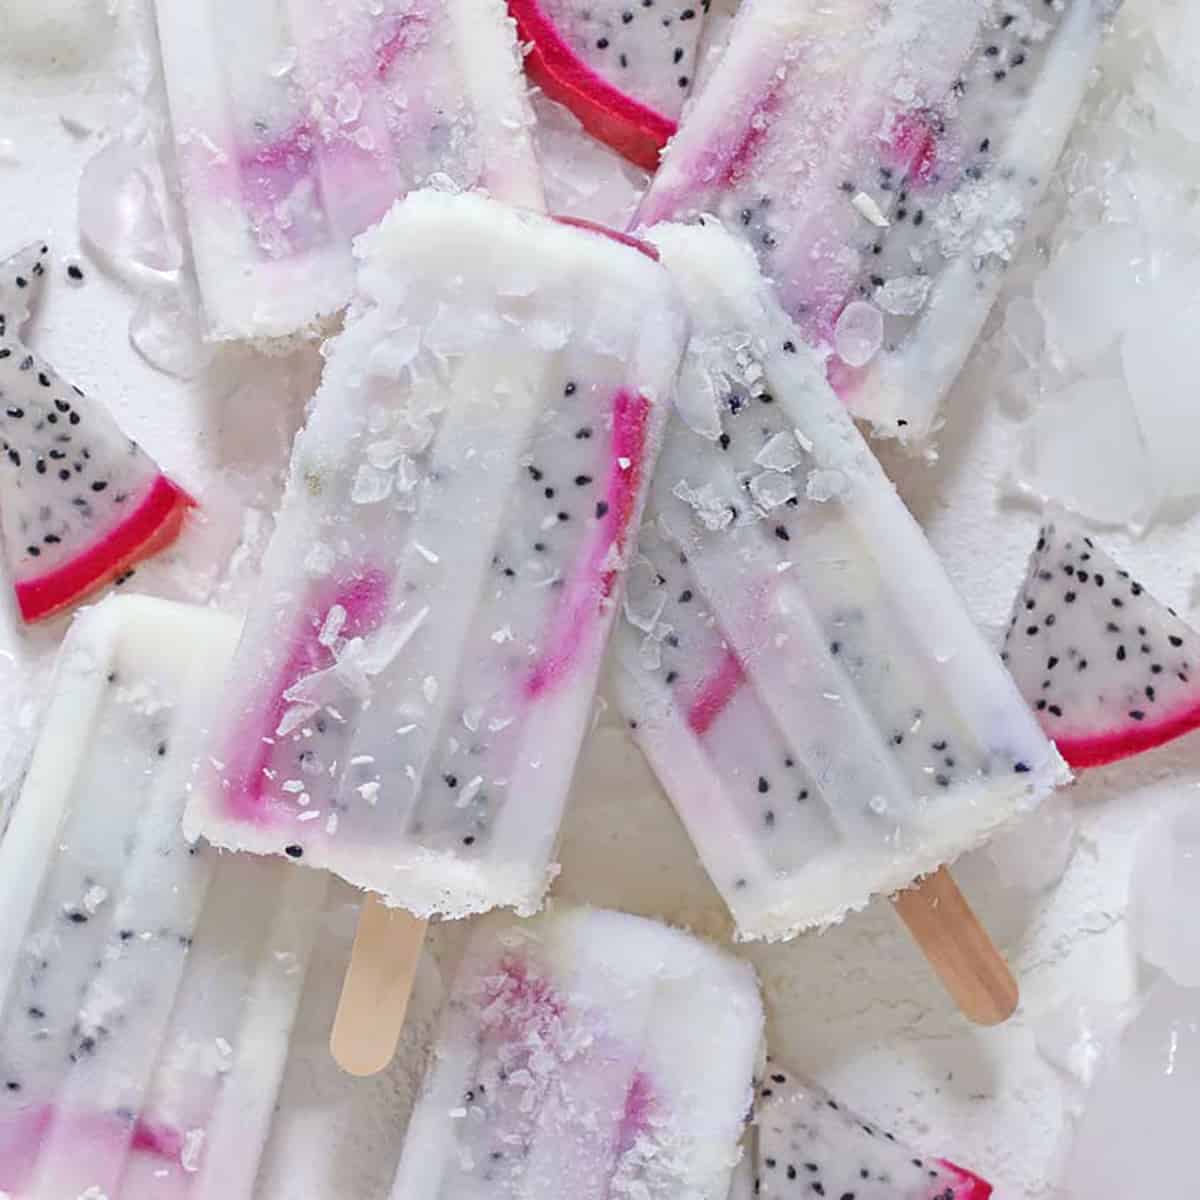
296, 126
415, 679
146, 988
883, 158
793, 660
588, 1054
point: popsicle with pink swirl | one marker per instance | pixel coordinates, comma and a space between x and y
418, 670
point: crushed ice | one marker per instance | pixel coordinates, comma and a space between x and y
1100, 316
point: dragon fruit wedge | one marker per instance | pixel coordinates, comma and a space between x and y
80, 503
810, 1144
1109, 670
623, 67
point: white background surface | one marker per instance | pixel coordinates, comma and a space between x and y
856, 1007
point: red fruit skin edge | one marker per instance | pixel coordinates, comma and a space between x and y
151, 527
968, 1185
1110, 747
650, 251
629, 127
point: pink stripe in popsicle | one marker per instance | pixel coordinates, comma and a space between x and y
364, 598
593, 582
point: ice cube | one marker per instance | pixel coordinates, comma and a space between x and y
167, 330
1159, 356
1135, 1136
1164, 894
1090, 291
1083, 449
120, 213
858, 333
1033, 855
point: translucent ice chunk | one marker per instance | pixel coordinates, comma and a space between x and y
120, 213
1034, 854
1151, 1085
167, 331
1088, 293
1159, 356
1083, 448
1165, 893
858, 333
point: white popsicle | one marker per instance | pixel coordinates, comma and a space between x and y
883, 158
297, 125
794, 661
586, 1054
416, 677
146, 989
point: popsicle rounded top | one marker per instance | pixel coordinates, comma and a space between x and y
418, 669
793, 660
588, 1054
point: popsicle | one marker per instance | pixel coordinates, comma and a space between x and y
883, 158
415, 678
588, 1054
146, 989
296, 126
80, 503
793, 660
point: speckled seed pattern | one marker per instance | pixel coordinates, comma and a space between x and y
1108, 669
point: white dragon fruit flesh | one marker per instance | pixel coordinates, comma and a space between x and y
810, 1145
623, 67
1109, 670
889, 154
80, 503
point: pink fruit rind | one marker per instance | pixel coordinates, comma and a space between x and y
592, 583
625, 124
968, 1185
1104, 748
364, 599
153, 525
626, 239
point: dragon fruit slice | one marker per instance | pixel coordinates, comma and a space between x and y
80, 503
418, 672
623, 67
797, 667
810, 1144
883, 157
1109, 670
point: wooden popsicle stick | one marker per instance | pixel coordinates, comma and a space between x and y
958, 948
378, 983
